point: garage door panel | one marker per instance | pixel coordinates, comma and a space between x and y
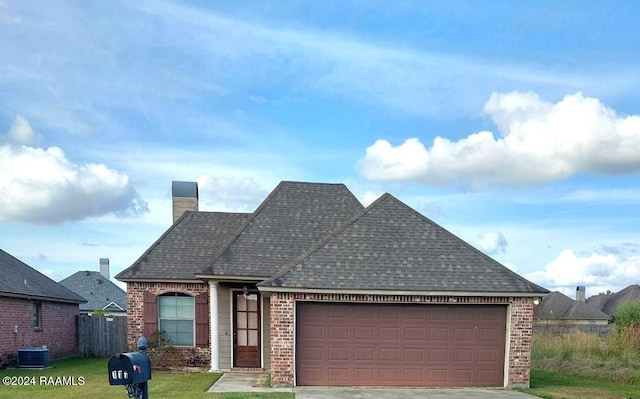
338, 333
414, 333
400, 344
414, 355
439, 334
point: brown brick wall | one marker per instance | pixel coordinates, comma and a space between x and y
57, 332
192, 356
282, 329
520, 343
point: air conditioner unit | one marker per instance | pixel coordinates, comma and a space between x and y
35, 357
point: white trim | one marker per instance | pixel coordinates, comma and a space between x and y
295, 337
112, 303
231, 317
213, 325
507, 346
396, 293
261, 335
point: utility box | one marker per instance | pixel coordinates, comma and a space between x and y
129, 368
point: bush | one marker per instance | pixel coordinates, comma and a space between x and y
627, 326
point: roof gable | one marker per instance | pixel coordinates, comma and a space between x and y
186, 247
559, 306
21, 280
96, 289
289, 221
390, 246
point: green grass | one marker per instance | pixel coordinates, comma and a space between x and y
553, 385
96, 384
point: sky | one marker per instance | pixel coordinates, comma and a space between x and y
514, 126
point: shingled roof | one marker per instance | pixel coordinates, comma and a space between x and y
99, 291
556, 305
609, 303
186, 248
22, 281
289, 221
389, 246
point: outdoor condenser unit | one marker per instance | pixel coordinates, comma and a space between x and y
36, 357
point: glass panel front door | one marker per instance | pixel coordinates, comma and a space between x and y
246, 330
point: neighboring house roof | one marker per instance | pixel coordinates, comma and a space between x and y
23, 281
599, 300
100, 292
390, 246
611, 302
289, 221
186, 248
559, 306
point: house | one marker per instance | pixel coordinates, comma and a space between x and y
609, 302
322, 291
35, 311
102, 295
557, 313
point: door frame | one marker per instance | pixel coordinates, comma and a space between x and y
233, 293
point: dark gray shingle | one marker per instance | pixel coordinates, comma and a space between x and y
390, 246
96, 289
556, 305
20, 279
295, 216
186, 247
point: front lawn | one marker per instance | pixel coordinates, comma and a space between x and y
555, 385
95, 383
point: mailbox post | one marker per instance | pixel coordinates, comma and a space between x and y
133, 370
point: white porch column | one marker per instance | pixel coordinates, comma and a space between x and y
213, 325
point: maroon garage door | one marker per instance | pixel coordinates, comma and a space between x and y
403, 345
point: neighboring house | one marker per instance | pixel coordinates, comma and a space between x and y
102, 295
557, 313
34, 311
609, 302
322, 291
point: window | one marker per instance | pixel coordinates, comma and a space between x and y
176, 318
37, 315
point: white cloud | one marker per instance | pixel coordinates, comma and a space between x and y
539, 141
43, 186
21, 132
597, 271
491, 243
237, 194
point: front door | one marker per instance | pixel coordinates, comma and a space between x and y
246, 329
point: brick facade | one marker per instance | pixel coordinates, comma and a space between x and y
521, 330
283, 328
197, 355
57, 331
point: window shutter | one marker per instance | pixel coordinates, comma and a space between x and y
202, 319
150, 311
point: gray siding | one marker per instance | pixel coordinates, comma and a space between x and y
224, 326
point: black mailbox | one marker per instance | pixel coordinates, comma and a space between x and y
129, 368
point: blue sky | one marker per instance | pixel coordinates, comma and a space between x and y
515, 126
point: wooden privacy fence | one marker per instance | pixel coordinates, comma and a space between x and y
101, 335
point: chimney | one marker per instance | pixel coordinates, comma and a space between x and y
580, 294
185, 197
104, 267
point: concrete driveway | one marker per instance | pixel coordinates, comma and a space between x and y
254, 382
406, 393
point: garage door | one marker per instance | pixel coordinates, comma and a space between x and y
402, 345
